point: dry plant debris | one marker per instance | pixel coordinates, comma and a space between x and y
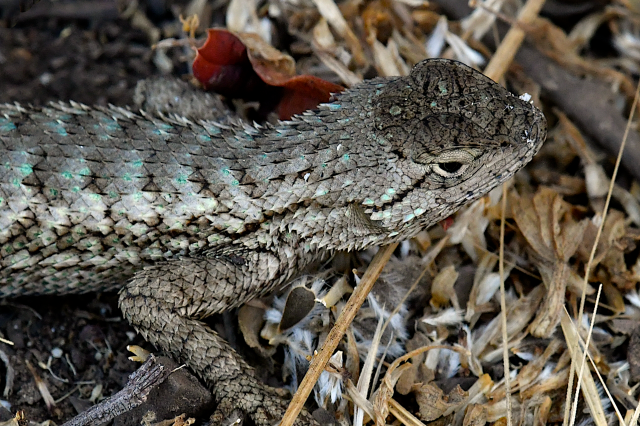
436, 356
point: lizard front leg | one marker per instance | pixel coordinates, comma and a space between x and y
165, 303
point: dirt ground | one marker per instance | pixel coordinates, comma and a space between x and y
80, 52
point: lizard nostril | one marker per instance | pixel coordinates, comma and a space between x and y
532, 133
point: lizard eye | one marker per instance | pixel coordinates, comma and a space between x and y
450, 169
451, 163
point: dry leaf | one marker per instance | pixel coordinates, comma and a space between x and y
245, 66
250, 321
476, 415
546, 222
416, 374
300, 301
442, 292
434, 403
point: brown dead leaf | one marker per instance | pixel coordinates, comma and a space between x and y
300, 301
378, 21
250, 320
551, 383
616, 241
417, 373
330, 11
563, 184
615, 299
442, 292
554, 276
547, 223
352, 361
527, 220
271, 64
426, 19
530, 373
519, 315
476, 415
433, 402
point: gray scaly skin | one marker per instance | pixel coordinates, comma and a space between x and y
219, 214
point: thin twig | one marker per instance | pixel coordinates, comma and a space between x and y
347, 315
140, 384
503, 308
505, 53
574, 408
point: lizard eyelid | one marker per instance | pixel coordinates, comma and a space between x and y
450, 157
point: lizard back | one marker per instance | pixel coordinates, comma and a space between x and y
90, 195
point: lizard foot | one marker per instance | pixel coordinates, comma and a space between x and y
165, 302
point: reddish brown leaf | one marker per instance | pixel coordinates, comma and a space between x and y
245, 66
304, 92
222, 65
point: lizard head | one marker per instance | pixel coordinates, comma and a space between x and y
451, 135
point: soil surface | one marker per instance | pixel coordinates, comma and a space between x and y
74, 346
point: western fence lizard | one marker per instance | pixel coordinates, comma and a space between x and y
219, 214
